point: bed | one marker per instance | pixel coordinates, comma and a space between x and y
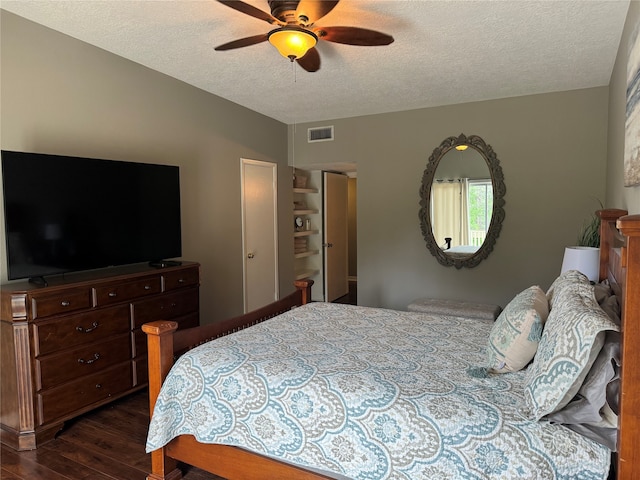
356, 392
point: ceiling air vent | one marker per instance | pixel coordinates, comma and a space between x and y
320, 134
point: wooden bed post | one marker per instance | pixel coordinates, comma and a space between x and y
160, 345
608, 219
305, 287
629, 415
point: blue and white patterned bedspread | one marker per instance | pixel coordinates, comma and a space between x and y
369, 394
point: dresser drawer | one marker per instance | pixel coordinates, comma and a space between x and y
69, 331
57, 402
58, 368
65, 301
181, 278
122, 292
168, 307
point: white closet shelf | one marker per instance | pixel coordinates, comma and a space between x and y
305, 211
305, 190
305, 274
305, 233
308, 253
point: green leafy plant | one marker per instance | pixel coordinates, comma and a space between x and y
589, 235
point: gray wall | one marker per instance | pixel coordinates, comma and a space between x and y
559, 152
62, 96
619, 196
552, 149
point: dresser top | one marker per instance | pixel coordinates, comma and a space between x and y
91, 276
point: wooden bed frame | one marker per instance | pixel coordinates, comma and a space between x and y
619, 262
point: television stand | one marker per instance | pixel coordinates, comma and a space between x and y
165, 263
39, 281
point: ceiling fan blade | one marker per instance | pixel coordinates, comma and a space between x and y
311, 60
354, 36
251, 10
314, 10
243, 42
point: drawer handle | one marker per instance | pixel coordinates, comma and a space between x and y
147, 287
65, 303
93, 326
98, 385
96, 356
113, 294
181, 280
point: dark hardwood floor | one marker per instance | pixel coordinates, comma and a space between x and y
350, 298
105, 444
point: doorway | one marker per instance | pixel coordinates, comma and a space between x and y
259, 233
335, 242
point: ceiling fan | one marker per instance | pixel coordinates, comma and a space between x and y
296, 36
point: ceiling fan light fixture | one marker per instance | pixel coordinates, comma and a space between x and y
292, 42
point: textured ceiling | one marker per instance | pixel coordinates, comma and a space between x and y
445, 51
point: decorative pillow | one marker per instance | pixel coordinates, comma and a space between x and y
571, 341
569, 279
514, 338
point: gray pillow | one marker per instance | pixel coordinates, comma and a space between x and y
607, 300
593, 412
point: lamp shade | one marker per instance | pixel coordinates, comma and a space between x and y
584, 259
292, 42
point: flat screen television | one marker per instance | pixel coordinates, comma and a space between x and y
67, 214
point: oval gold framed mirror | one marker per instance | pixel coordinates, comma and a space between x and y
462, 201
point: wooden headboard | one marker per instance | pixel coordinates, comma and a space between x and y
620, 264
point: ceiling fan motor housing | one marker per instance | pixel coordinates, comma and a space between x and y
285, 11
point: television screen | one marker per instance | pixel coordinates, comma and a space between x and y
65, 214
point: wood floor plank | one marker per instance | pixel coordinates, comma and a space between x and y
108, 466
139, 403
128, 423
105, 444
119, 446
25, 465
7, 475
193, 473
47, 455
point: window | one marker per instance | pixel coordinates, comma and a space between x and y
461, 212
480, 208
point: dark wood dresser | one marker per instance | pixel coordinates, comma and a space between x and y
76, 344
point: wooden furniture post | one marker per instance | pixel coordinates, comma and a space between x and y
629, 415
608, 218
305, 287
160, 345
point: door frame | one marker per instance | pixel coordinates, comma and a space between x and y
274, 185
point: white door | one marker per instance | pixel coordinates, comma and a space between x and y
259, 233
335, 235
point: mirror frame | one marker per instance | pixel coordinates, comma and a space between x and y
497, 216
